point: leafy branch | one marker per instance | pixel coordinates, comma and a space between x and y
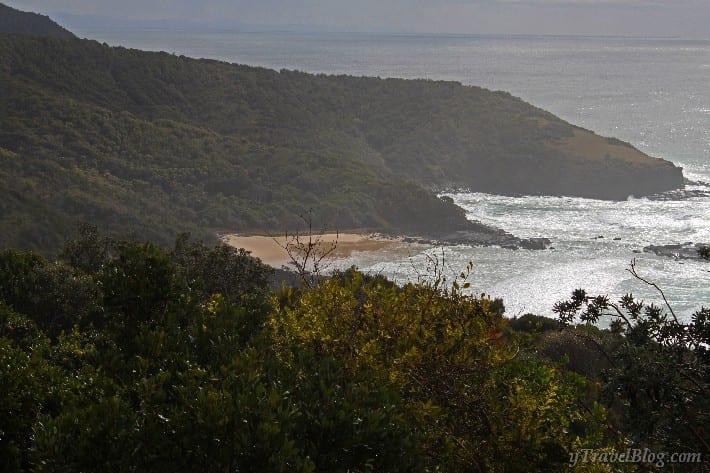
660, 365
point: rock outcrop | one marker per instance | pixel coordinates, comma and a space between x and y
678, 251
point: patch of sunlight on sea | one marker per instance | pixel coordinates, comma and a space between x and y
650, 92
532, 281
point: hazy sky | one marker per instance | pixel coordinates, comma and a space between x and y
683, 18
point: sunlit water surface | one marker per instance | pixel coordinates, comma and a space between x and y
653, 93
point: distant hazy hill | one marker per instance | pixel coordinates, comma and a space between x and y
19, 22
153, 143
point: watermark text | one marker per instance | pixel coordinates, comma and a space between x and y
633, 455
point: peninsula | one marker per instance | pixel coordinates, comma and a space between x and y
153, 144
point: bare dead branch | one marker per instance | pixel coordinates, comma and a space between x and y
635, 274
309, 254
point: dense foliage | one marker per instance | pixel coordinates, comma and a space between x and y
123, 356
658, 373
19, 22
157, 144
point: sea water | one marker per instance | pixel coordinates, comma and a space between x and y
650, 92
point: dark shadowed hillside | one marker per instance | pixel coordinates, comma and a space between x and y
19, 22
152, 143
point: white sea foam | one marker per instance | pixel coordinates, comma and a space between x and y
652, 93
532, 281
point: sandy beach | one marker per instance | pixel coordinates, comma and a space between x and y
271, 249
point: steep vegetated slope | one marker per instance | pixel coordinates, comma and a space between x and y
19, 22
153, 143
68, 154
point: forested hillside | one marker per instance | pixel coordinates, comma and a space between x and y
19, 22
90, 152
152, 143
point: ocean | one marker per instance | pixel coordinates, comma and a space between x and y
651, 92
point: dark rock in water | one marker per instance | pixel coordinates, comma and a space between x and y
419, 240
479, 234
678, 251
481, 238
684, 194
535, 243
702, 189
689, 182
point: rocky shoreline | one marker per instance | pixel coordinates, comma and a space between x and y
478, 234
691, 190
688, 250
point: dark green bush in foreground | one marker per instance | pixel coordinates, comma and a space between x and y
129, 357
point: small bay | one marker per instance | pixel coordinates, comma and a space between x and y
651, 92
